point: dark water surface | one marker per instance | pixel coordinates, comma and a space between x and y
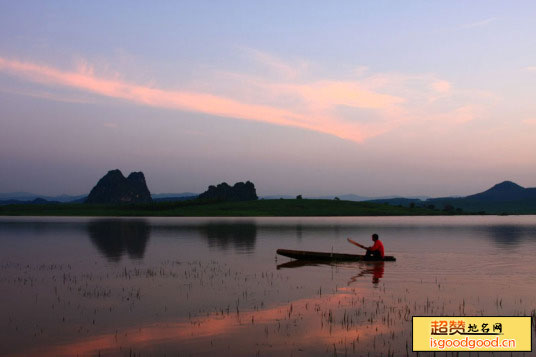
214, 286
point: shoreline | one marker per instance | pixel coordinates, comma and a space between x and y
257, 208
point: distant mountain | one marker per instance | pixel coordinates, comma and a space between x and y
504, 198
173, 197
352, 197
276, 197
398, 201
505, 191
168, 195
240, 191
114, 188
27, 196
82, 199
36, 201
344, 197
21, 196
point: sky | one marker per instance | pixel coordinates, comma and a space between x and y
372, 98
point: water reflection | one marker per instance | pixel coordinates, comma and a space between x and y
242, 236
299, 232
376, 269
183, 298
307, 325
113, 238
300, 264
505, 236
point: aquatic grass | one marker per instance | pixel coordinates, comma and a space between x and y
127, 299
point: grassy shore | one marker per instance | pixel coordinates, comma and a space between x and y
274, 208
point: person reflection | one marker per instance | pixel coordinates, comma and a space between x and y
113, 238
375, 269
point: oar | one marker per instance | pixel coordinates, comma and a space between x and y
355, 243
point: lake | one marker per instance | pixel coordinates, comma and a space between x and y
214, 286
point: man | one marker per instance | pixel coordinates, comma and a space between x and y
374, 252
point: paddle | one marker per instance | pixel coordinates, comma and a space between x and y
355, 243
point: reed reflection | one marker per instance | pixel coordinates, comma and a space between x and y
114, 238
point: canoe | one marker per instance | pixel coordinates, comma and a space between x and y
321, 256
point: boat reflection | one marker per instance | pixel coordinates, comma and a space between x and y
376, 269
301, 263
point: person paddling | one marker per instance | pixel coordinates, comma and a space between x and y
374, 252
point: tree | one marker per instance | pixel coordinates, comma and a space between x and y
299, 197
448, 208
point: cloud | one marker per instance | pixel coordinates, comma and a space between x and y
84, 79
315, 104
530, 68
441, 86
48, 96
361, 70
463, 114
323, 94
276, 65
478, 23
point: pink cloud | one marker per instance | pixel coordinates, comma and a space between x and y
85, 79
459, 115
332, 93
441, 86
381, 102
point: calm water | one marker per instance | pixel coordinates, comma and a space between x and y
211, 286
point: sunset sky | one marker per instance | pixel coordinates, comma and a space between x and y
304, 97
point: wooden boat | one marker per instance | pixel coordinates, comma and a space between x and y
321, 256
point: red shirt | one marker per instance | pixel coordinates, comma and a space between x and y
378, 245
